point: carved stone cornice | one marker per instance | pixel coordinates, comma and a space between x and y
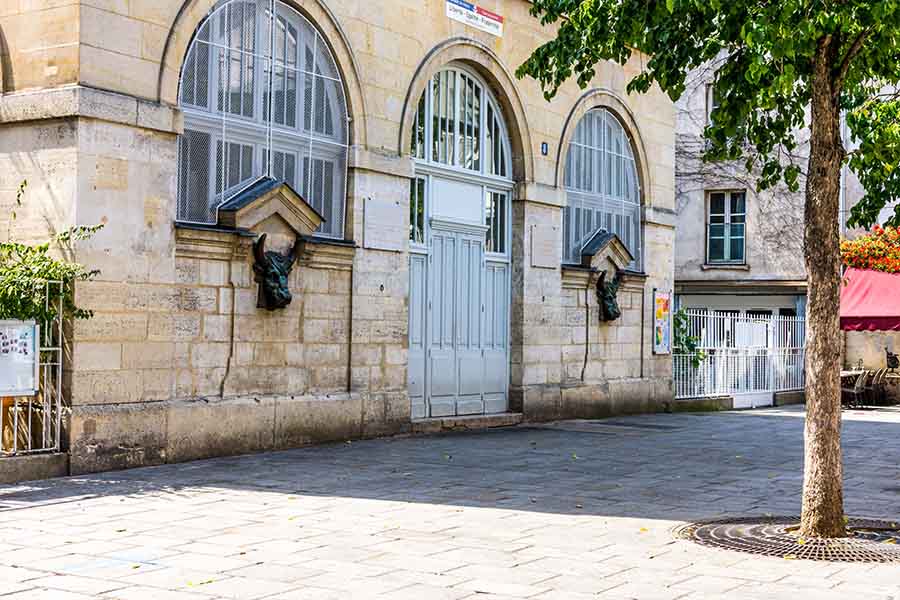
211, 243
318, 253
576, 278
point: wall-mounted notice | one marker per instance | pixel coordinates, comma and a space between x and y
19, 354
545, 245
662, 322
385, 225
475, 16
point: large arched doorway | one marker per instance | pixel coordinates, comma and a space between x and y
459, 239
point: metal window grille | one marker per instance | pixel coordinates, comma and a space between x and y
458, 127
33, 424
602, 186
742, 355
262, 96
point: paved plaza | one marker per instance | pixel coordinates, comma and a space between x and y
571, 510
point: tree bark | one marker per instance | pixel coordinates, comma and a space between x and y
823, 495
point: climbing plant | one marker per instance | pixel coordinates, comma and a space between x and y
27, 269
683, 342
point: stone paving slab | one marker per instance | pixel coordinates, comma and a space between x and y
566, 511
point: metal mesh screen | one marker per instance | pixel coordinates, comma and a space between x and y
602, 187
262, 96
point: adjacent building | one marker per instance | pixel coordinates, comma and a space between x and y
434, 209
737, 250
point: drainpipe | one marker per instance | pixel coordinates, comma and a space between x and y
843, 190
587, 328
350, 334
643, 315
230, 330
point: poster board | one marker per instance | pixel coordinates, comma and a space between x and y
19, 358
662, 322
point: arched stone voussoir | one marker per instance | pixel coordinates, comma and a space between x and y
481, 59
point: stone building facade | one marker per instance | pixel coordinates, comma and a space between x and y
106, 106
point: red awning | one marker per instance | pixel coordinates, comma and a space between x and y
870, 301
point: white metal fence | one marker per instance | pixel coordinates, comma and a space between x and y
33, 424
741, 355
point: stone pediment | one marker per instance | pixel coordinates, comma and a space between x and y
269, 201
605, 251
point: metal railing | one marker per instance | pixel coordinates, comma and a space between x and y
741, 355
33, 424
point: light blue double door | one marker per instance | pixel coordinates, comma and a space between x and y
458, 329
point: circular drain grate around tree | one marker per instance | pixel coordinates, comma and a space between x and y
869, 540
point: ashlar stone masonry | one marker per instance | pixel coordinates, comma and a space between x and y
178, 362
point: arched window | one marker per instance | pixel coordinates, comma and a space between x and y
458, 124
602, 186
261, 96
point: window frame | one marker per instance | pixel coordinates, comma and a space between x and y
424, 154
711, 103
727, 224
593, 187
427, 168
419, 244
261, 131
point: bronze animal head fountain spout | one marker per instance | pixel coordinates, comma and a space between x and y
606, 297
271, 271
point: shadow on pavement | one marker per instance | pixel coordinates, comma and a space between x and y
669, 467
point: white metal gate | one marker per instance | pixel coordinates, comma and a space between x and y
746, 357
33, 424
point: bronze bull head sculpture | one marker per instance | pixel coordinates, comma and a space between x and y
271, 271
606, 297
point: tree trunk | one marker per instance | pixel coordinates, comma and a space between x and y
823, 496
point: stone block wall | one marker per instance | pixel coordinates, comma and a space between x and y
178, 362
869, 346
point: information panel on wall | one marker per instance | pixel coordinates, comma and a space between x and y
662, 322
19, 358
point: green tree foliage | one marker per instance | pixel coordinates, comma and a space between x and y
26, 270
786, 65
764, 86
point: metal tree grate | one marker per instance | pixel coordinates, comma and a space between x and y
868, 541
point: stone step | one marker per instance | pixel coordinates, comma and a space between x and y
466, 423
29, 467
